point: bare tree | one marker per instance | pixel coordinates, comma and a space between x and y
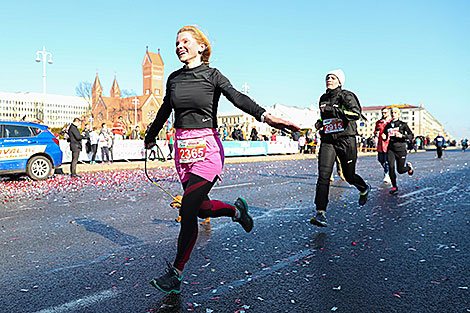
85, 90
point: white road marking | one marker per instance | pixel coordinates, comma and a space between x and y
231, 186
80, 303
414, 192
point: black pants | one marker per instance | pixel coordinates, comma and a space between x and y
439, 152
398, 157
94, 149
196, 203
346, 150
73, 165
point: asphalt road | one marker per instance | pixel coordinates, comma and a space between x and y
93, 244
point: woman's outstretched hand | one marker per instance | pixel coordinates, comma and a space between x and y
280, 123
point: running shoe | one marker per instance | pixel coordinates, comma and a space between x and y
170, 282
363, 195
319, 219
341, 175
394, 190
410, 171
244, 217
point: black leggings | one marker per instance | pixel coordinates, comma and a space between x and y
346, 150
196, 203
400, 158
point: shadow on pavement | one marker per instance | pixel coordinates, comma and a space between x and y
108, 232
170, 303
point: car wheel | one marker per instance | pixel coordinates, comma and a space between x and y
39, 168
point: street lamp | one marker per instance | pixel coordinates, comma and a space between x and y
44, 54
135, 101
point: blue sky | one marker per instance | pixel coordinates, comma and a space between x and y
393, 52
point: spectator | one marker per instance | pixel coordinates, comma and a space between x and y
103, 143
135, 134
273, 135
94, 139
302, 141
75, 140
119, 129
254, 134
170, 140
86, 135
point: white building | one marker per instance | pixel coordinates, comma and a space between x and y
420, 121
53, 110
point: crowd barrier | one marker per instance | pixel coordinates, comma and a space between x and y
127, 150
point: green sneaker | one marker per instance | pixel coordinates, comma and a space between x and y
170, 282
244, 219
363, 195
319, 219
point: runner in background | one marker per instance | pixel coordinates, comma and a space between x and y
383, 144
193, 92
398, 133
339, 111
439, 141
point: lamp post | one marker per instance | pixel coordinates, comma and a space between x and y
135, 101
44, 54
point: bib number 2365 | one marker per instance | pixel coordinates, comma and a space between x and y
192, 150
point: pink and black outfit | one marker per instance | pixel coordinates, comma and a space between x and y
193, 94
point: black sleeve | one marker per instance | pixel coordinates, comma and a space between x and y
241, 101
348, 108
75, 133
162, 116
408, 134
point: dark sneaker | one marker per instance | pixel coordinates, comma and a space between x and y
410, 171
244, 219
363, 195
319, 219
394, 190
169, 282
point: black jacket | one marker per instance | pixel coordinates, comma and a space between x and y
398, 143
194, 96
341, 104
75, 138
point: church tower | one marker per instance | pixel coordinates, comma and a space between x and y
152, 70
115, 91
96, 90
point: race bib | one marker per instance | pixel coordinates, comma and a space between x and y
333, 125
192, 150
393, 131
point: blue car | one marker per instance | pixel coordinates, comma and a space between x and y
28, 148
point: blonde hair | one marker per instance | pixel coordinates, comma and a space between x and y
200, 38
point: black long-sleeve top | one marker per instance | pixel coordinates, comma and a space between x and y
194, 96
398, 143
75, 138
342, 104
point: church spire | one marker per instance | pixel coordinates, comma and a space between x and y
96, 90
115, 91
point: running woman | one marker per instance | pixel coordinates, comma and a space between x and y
339, 111
193, 93
382, 144
398, 133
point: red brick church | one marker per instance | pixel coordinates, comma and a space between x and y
108, 109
